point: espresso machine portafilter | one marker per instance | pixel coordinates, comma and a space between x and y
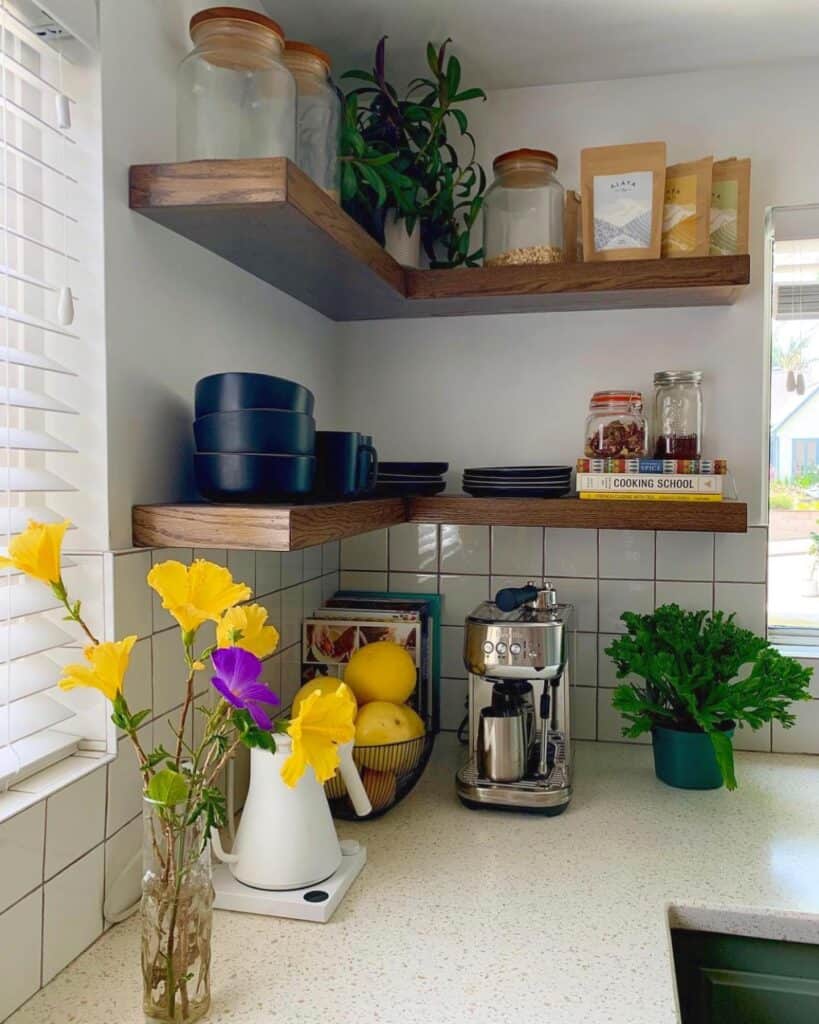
516, 650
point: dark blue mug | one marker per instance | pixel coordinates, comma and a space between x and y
337, 463
367, 465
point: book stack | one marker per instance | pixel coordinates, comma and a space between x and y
652, 479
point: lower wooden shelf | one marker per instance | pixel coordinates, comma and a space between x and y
292, 527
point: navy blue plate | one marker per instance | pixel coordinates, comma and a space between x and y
266, 431
226, 392
413, 468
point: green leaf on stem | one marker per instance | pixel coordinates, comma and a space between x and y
167, 788
250, 734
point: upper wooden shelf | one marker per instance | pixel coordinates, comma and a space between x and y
267, 217
290, 527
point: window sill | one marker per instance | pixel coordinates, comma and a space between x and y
22, 795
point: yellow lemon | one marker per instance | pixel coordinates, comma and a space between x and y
382, 671
380, 787
380, 724
324, 684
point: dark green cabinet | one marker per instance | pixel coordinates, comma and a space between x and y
731, 979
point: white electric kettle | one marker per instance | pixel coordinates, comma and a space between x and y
286, 838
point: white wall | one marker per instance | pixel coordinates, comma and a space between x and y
514, 389
174, 312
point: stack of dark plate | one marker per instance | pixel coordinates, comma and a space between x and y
518, 481
255, 438
399, 479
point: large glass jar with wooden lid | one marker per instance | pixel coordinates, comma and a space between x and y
523, 210
318, 114
235, 96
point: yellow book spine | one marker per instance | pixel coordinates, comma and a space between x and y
642, 496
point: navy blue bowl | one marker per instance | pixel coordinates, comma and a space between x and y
226, 392
238, 476
266, 431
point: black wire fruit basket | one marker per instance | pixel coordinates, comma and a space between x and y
389, 772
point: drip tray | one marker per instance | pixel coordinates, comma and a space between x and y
550, 795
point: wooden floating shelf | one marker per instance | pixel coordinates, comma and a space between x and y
291, 527
270, 219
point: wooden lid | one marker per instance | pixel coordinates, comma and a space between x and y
540, 155
294, 46
236, 14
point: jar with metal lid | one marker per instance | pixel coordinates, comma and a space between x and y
616, 425
235, 97
678, 414
523, 210
318, 114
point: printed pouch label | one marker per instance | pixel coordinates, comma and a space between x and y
622, 210
679, 215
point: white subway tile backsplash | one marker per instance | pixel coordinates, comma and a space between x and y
268, 572
571, 552
453, 703
465, 549
331, 556
242, 565
813, 665
746, 738
312, 562
413, 582
76, 821
20, 931
803, 737
517, 551
292, 568
626, 554
691, 597
583, 594
584, 713
584, 671
742, 557
329, 585
216, 555
138, 682
461, 595
169, 673
747, 600
123, 867
610, 723
290, 675
272, 603
311, 597
618, 596
606, 670
133, 603
292, 614
368, 551
685, 556
413, 547
452, 652
351, 580
72, 913
125, 783
21, 855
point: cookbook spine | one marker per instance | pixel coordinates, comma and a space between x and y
647, 483
641, 496
709, 467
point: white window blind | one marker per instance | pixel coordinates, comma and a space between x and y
41, 171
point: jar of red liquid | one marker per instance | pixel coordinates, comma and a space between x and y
678, 414
616, 425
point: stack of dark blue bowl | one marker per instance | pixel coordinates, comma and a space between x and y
255, 438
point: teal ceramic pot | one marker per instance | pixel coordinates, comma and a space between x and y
686, 759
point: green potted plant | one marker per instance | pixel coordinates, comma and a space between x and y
699, 676
399, 165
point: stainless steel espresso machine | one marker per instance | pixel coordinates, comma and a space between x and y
516, 650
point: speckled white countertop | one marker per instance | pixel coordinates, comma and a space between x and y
503, 918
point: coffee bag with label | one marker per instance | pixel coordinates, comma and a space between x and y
687, 208
730, 194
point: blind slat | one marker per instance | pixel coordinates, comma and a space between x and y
25, 398
32, 675
32, 637
65, 563
31, 76
20, 479
19, 599
34, 120
40, 202
31, 441
9, 313
14, 519
31, 715
35, 754
34, 360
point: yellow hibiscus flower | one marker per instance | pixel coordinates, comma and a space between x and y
36, 551
244, 626
194, 594
324, 720
106, 668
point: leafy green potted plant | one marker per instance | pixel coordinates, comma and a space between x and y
700, 675
399, 165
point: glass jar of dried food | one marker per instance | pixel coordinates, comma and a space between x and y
318, 114
616, 425
678, 414
523, 210
235, 97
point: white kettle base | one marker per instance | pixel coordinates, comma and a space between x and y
314, 903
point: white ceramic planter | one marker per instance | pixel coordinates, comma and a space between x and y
404, 249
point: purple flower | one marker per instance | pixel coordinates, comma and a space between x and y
237, 679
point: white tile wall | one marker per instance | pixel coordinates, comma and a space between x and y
76, 821
802, 738
22, 839
571, 553
618, 596
584, 713
461, 595
517, 551
367, 551
292, 568
742, 557
465, 549
692, 597
20, 931
747, 600
268, 571
685, 556
413, 547
72, 912
626, 554
133, 604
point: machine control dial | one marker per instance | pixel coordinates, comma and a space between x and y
488, 647
500, 647
515, 648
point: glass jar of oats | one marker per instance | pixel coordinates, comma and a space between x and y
523, 210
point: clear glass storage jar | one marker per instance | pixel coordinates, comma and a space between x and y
616, 425
318, 114
678, 414
235, 97
523, 210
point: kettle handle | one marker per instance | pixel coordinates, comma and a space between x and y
352, 780
218, 849
511, 598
